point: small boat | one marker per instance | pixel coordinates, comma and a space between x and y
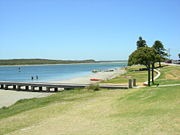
110, 70
94, 79
95, 71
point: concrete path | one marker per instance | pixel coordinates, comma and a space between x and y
171, 64
156, 77
165, 85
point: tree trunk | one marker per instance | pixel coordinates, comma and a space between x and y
149, 74
159, 63
152, 73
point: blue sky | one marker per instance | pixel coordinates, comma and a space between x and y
86, 29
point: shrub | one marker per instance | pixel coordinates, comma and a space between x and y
93, 87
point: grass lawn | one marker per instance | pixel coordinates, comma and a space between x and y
169, 75
140, 76
146, 111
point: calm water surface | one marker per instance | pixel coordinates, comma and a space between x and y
52, 72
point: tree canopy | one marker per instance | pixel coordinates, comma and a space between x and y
141, 43
159, 47
143, 56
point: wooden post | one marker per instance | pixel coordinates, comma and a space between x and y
56, 89
40, 88
130, 83
14, 87
2, 86
134, 82
26, 87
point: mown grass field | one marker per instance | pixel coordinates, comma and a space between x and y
146, 111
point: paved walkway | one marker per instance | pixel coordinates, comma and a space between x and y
165, 85
156, 77
171, 64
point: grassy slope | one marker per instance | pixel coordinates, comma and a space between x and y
147, 111
169, 75
139, 111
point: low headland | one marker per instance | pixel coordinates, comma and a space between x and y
49, 61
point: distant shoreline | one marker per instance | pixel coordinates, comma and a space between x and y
54, 64
42, 62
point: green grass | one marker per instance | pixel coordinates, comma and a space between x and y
28, 104
148, 111
140, 76
169, 75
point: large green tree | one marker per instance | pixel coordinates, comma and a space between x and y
141, 43
179, 55
159, 47
143, 56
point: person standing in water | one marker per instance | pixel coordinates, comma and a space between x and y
37, 77
19, 69
32, 78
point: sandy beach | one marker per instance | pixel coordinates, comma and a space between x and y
99, 75
9, 97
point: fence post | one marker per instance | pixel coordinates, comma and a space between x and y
130, 83
134, 82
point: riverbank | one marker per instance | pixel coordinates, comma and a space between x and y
9, 97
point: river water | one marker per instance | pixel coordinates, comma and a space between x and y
45, 73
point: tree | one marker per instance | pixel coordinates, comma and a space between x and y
179, 55
159, 47
144, 56
141, 43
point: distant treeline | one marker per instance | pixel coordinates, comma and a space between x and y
46, 61
41, 61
